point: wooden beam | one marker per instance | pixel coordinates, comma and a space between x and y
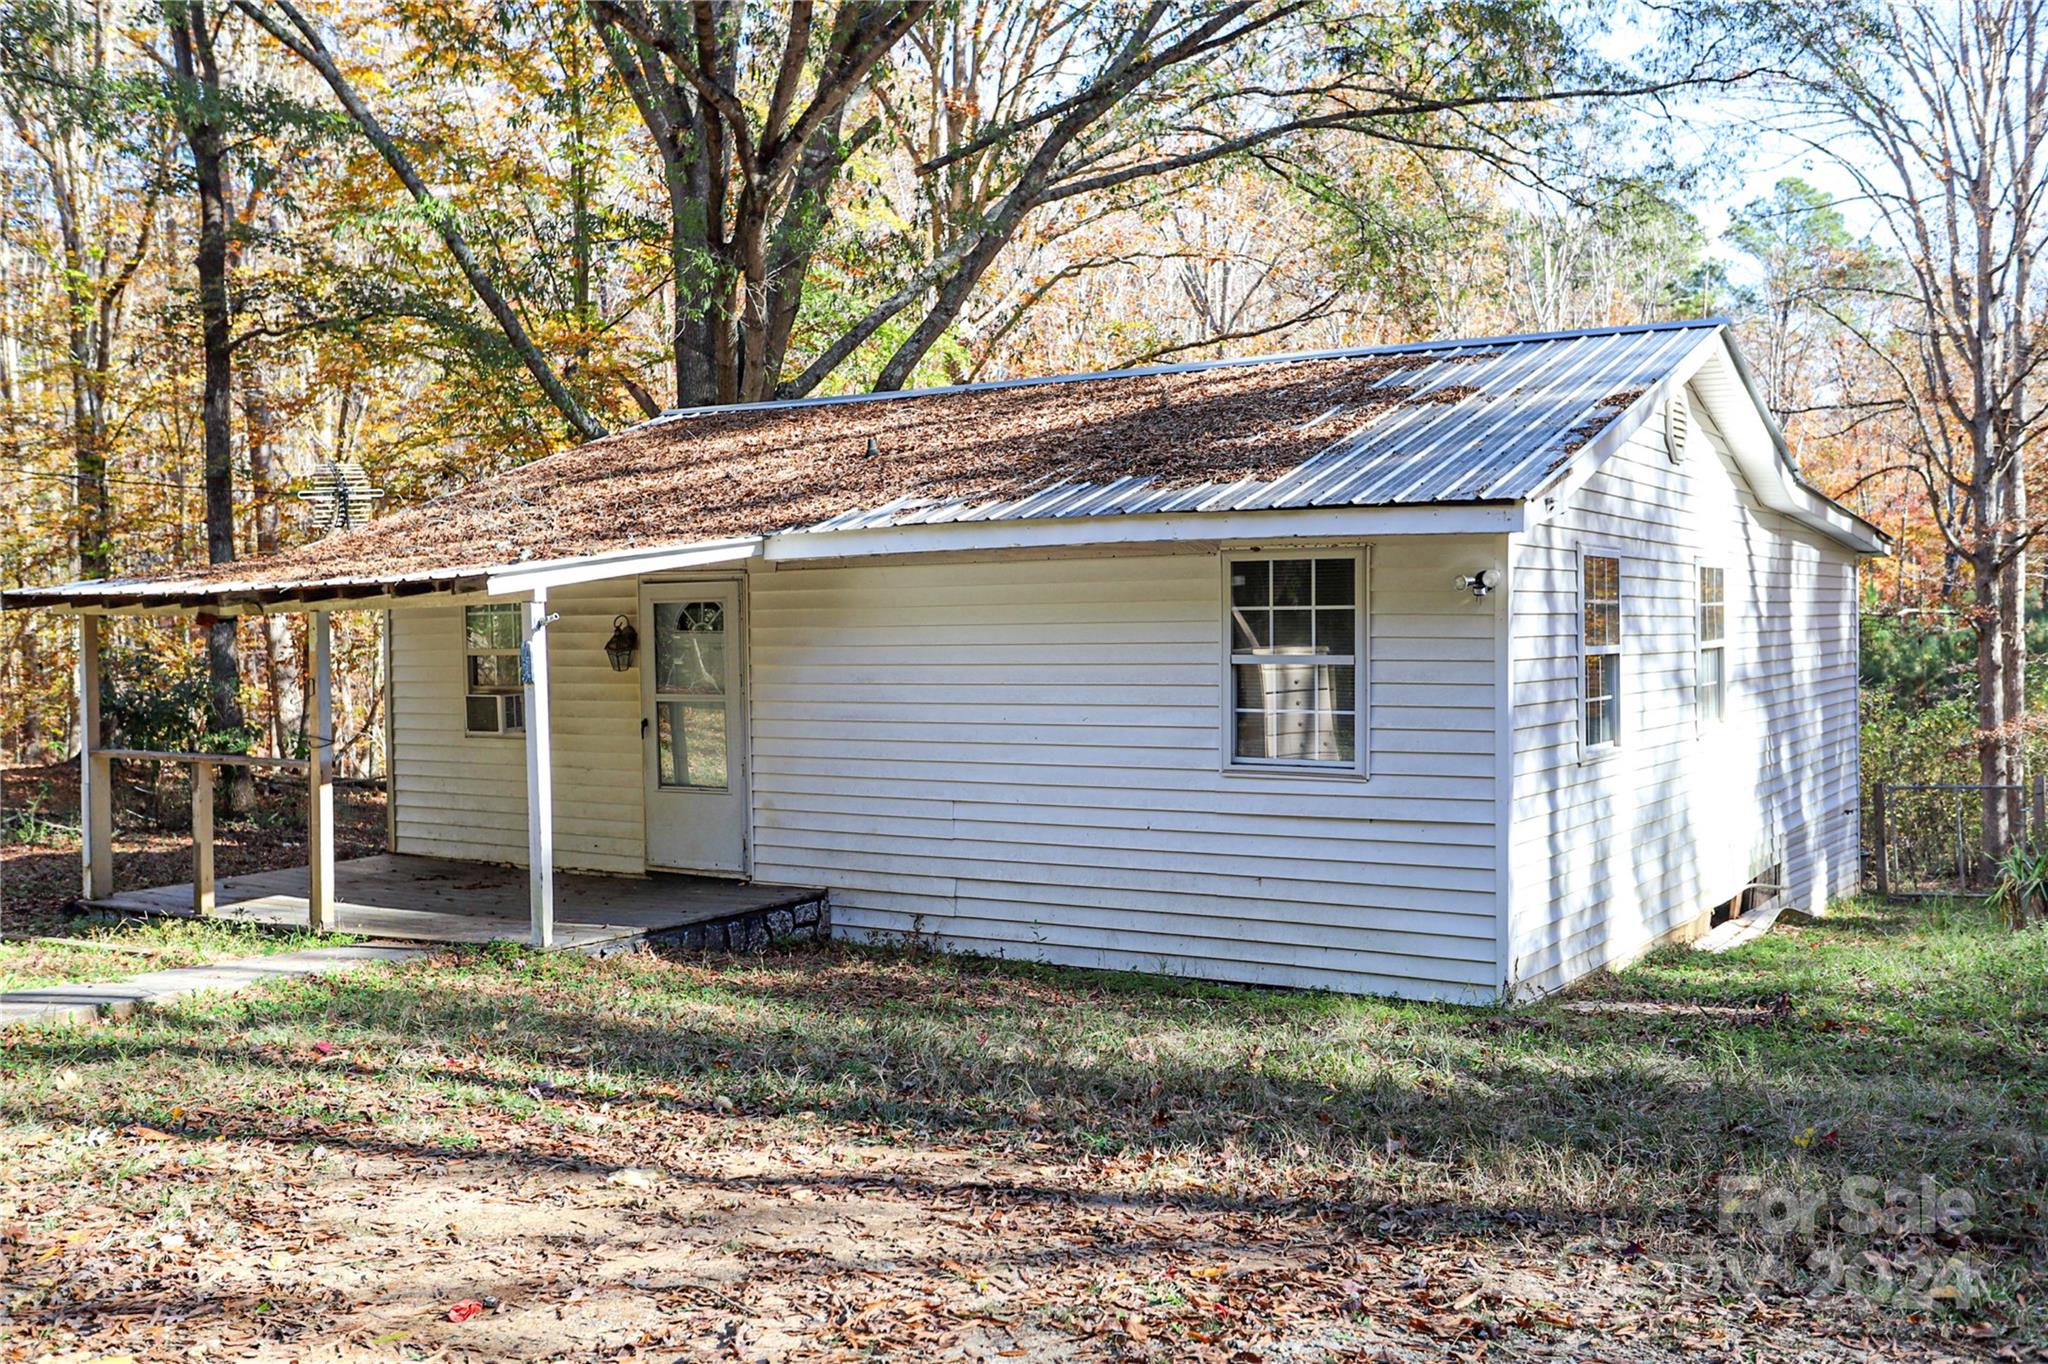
95, 771
202, 838
156, 755
540, 773
320, 779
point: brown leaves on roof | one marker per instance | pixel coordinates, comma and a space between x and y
738, 473
1598, 420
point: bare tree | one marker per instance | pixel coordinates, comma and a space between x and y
1940, 114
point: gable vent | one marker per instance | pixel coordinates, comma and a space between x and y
1677, 425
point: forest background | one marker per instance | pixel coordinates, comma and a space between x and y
241, 243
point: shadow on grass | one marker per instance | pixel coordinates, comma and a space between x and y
1533, 1113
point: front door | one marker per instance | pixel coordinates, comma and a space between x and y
695, 726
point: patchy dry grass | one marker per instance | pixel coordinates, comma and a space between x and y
103, 948
855, 1151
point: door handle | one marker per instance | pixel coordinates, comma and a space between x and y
643, 726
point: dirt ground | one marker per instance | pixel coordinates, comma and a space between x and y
719, 1241
39, 877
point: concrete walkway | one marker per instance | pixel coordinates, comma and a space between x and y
153, 989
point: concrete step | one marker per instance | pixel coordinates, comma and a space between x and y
83, 1003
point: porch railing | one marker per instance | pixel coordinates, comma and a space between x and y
96, 781
203, 766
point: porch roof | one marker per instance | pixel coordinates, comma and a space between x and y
1488, 421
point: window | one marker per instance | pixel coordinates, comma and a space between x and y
1600, 593
1712, 693
496, 703
1294, 630
690, 675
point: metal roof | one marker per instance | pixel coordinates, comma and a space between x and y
1489, 420
1486, 420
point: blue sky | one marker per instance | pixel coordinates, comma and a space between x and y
1729, 131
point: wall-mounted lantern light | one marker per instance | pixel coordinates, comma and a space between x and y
620, 648
1480, 583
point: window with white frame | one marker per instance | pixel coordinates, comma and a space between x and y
1293, 632
1712, 694
495, 702
1600, 595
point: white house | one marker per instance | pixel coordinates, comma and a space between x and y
1439, 670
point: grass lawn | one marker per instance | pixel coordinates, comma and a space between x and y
854, 1153
104, 949
42, 942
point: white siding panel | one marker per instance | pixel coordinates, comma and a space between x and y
1022, 757
1609, 853
462, 795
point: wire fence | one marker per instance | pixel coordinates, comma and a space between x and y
1930, 836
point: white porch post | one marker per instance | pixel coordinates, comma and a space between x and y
540, 774
95, 773
320, 778
390, 748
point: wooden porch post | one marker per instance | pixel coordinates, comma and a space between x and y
95, 773
202, 838
320, 778
540, 774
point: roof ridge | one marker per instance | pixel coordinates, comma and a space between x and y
676, 414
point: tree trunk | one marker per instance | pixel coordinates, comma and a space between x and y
1992, 764
2012, 676
197, 103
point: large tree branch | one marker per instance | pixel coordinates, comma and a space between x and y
298, 36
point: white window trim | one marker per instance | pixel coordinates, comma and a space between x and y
1360, 767
1700, 646
1589, 753
462, 643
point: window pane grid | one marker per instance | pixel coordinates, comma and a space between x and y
1713, 605
1600, 694
1711, 693
1294, 639
495, 699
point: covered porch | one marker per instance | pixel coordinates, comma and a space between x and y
409, 898
472, 897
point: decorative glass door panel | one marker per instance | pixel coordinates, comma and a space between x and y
690, 693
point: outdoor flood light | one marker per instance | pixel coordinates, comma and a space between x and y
621, 646
1480, 583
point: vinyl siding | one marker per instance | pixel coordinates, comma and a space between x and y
464, 795
1022, 757
1610, 852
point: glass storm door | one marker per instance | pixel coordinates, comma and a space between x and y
695, 726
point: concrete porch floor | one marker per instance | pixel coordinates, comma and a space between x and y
406, 898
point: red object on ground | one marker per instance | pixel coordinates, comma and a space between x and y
464, 1310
